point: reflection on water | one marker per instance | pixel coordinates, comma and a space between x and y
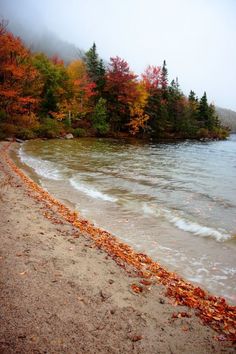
177, 202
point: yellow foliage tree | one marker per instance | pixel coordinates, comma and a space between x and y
138, 117
78, 104
76, 69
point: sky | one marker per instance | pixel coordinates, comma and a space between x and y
197, 38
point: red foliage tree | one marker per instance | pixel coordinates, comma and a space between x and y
121, 91
152, 77
18, 85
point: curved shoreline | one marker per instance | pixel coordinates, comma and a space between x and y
212, 310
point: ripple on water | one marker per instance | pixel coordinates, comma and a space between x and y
176, 202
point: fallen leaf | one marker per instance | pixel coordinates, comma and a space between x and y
145, 282
137, 289
217, 318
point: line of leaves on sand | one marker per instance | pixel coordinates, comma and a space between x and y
214, 311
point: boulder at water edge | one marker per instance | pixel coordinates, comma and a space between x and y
69, 136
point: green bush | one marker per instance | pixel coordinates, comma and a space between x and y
49, 128
220, 133
79, 132
25, 134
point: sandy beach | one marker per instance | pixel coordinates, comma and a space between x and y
63, 291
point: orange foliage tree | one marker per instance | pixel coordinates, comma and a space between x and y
19, 90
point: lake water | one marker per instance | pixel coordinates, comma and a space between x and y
174, 201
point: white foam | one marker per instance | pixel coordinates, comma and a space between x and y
198, 229
186, 225
43, 168
91, 192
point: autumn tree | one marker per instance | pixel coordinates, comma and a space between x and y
121, 92
79, 103
138, 118
19, 90
86, 95
156, 106
152, 78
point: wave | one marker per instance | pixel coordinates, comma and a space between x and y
43, 168
91, 192
198, 229
187, 225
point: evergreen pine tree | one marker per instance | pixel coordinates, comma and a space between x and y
175, 105
164, 76
95, 68
192, 96
157, 110
213, 119
203, 111
99, 117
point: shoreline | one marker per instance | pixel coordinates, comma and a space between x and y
147, 280
214, 270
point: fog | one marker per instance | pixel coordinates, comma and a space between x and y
195, 37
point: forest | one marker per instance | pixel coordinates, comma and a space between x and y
41, 97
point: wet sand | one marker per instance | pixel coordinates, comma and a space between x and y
60, 293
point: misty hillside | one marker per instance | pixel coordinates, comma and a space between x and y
227, 118
28, 24
46, 42
51, 45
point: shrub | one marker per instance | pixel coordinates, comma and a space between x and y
50, 128
28, 121
220, 133
79, 132
25, 134
8, 130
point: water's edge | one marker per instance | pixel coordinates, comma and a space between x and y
205, 269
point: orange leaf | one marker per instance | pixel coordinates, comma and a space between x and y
137, 289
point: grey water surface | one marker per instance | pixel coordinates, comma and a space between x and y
174, 201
